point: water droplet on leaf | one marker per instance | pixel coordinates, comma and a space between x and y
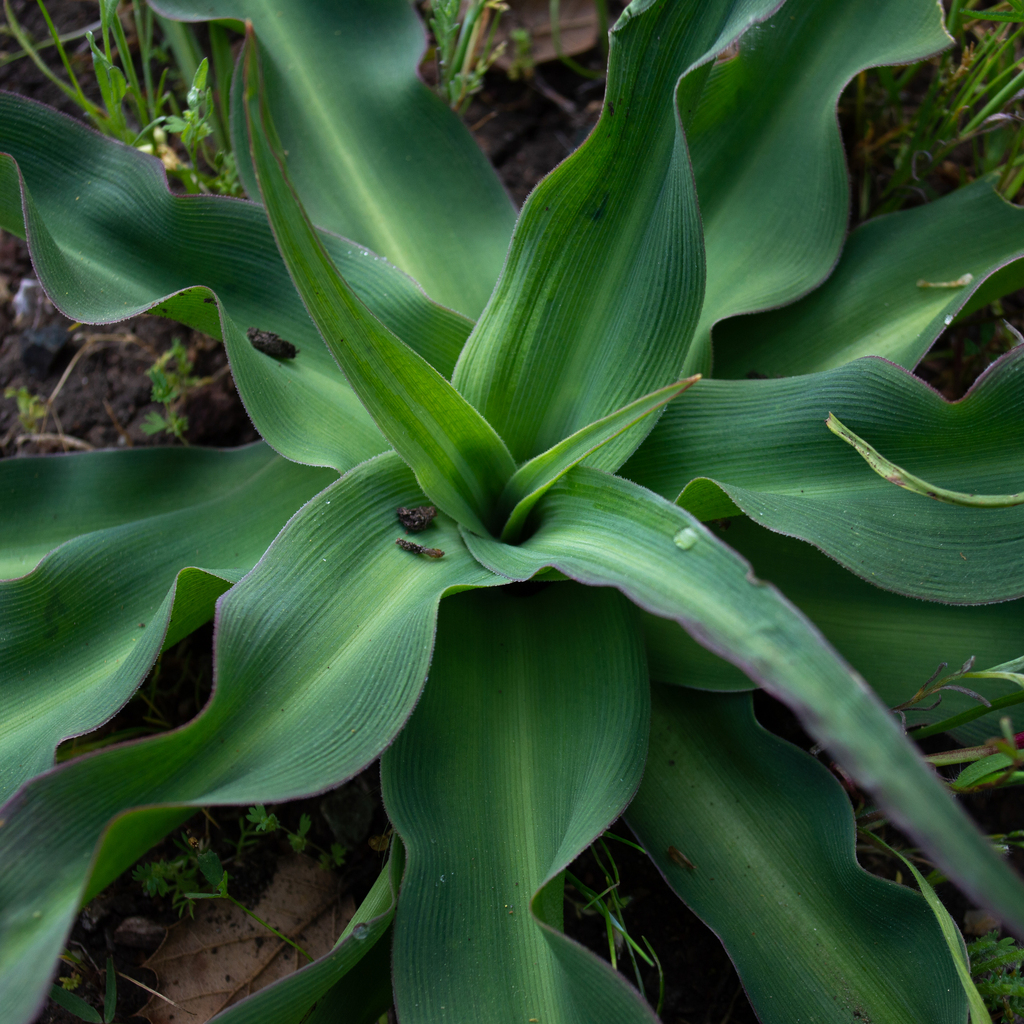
686, 538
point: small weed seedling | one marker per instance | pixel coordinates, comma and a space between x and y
172, 379
63, 995
32, 410
995, 969
610, 904
464, 49
175, 878
214, 873
299, 841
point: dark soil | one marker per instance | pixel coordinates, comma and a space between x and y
525, 128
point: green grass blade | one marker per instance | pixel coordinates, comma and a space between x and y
954, 940
459, 460
528, 741
423, 195
760, 446
604, 279
524, 490
604, 531
767, 154
876, 302
110, 996
74, 1004
109, 240
144, 541
771, 835
313, 681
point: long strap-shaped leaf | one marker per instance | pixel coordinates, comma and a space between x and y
758, 838
898, 285
531, 480
767, 155
895, 642
605, 531
82, 629
604, 279
530, 737
375, 155
313, 680
109, 240
46, 501
761, 446
460, 461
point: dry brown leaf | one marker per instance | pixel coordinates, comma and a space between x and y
577, 21
223, 955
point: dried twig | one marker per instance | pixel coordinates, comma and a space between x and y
63, 439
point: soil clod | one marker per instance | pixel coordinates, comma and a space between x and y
416, 519
271, 344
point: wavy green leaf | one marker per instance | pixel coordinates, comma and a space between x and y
108, 241
533, 478
767, 156
761, 446
82, 629
529, 740
605, 531
893, 293
423, 196
770, 834
603, 282
896, 643
460, 461
46, 501
313, 681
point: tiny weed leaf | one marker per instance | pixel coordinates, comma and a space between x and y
264, 822
211, 867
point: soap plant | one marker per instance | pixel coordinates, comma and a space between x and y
586, 402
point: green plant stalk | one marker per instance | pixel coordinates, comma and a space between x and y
994, 104
269, 927
76, 93
129, 66
601, 6
110, 996
60, 49
969, 715
66, 37
901, 478
556, 40
462, 46
144, 31
953, 18
220, 54
962, 755
185, 46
